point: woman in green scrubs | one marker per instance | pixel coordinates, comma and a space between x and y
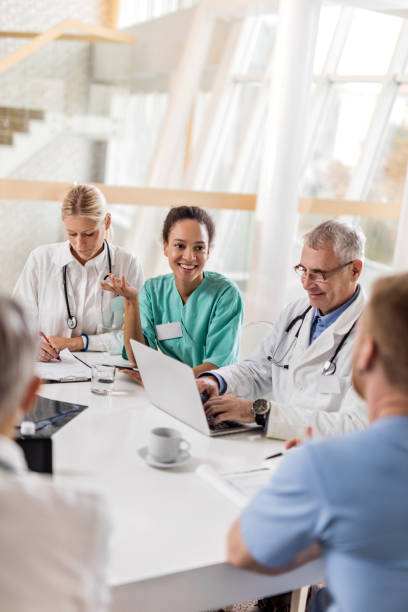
191, 315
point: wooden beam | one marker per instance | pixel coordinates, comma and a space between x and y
52, 191
103, 34
90, 38
355, 208
18, 189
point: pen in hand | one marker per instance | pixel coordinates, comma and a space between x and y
49, 343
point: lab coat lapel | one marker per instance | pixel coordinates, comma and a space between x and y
305, 353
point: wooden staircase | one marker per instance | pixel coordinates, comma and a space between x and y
16, 120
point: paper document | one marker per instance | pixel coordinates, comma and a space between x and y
69, 369
240, 486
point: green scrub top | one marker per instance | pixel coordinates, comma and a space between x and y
211, 319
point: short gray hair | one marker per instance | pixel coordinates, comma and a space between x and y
348, 242
19, 345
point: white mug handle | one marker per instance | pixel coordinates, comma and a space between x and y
187, 447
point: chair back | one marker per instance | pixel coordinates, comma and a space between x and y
252, 334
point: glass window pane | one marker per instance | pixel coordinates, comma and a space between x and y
388, 182
362, 53
340, 140
263, 47
242, 100
381, 236
329, 16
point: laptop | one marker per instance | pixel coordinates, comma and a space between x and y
170, 385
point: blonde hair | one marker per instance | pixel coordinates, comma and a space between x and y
388, 324
86, 201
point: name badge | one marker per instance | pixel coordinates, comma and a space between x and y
167, 331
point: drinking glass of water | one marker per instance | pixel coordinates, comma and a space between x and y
103, 377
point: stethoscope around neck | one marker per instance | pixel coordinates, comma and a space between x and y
72, 321
329, 366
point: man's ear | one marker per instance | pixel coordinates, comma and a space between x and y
356, 268
108, 220
30, 394
367, 355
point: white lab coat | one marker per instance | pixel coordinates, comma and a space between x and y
301, 395
40, 287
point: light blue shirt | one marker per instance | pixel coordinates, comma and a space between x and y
351, 495
322, 322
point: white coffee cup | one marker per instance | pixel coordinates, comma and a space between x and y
166, 444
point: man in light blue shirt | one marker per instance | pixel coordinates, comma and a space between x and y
347, 498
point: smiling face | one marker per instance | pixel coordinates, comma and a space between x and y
85, 236
337, 288
187, 250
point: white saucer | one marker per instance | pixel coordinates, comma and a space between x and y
183, 457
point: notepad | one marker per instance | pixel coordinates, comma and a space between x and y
240, 487
69, 369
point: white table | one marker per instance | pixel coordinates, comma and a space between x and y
169, 526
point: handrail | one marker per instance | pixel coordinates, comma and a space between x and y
97, 32
53, 191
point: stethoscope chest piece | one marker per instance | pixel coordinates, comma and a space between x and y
72, 322
328, 368
71, 319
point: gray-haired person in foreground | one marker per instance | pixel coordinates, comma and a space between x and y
53, 541
300, 375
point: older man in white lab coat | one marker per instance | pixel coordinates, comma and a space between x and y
300, 375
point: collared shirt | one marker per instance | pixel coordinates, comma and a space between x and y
349, 494
322, 322
40, 287
53, 542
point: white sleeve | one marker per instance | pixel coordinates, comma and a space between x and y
113, 341
286, 421
26, 288
252, 377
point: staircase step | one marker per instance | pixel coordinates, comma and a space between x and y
6, 138
14, 124
20, 113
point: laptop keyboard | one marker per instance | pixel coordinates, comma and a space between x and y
224, 425
221, 426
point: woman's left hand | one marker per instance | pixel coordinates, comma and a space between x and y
134, 374
73, 344
120, 286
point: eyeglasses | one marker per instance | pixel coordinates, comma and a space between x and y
319, 275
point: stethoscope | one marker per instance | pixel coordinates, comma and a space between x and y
329, 366
72, 321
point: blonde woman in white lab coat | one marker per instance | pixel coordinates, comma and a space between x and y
61, 282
